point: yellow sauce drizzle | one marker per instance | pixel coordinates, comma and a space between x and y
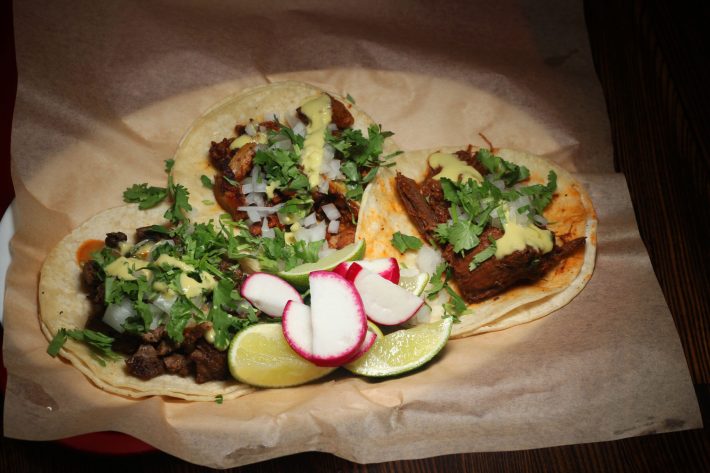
517, 237
319, 115
452, 167
123, 267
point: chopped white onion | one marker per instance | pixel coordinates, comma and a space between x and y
299, 128
255, 198
284, 144
260, 187
539, 219
499, 184
324, 186
250, 129
334, 226
267, 232
332, 127
271, 116
262, 209
331, 211
165, 302
328, 152
117, 314
254, 215
428, 259
318, 231
310, 220
247, 188
255, 175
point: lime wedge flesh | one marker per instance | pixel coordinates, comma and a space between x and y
403, 350
260, 356
415, 284
298, 276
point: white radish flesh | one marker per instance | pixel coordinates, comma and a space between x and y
269, 293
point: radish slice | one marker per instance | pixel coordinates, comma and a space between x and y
269, 293
334, 328
385, 302
370, 338
388, 268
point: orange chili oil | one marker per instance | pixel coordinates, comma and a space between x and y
83, 254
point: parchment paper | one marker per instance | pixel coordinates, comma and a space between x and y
106, 89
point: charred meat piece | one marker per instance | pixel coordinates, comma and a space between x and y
220, 153
341, 115
145, 363
242, 162
416, 206
433, 194
494, 275
271, 125
191, 335
345, 235
210, 363
229, 197
177, 364
469, 157
92, 280
148, 233
114, 239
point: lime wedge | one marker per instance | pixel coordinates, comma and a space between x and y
403, 350
298, 276
260, 356
414, 284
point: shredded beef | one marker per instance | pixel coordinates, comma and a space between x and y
426, 206
469, 157
145, 363
114, 239
210, 363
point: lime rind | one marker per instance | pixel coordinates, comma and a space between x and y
260, 356
415, 284
403, 350
298, 276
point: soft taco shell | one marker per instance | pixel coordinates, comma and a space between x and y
570, 214
63, 304
281, 98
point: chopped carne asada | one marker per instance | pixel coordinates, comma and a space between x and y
468, 219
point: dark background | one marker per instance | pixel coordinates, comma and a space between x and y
652, 61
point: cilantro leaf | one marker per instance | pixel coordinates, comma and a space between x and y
99, 343
403, 242
146, 197
206, 181
463, 235
437, 281
482, 256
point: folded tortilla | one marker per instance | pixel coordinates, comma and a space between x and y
571, 214
280, 98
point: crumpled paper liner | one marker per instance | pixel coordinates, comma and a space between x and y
104, 97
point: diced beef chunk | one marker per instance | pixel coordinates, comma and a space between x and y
155, 335
92, 281
220, 154
433, 193
192, 334
114, 239
145, 363
341, 115
229, 197
242, 162
177, 364
148, 233
210, 363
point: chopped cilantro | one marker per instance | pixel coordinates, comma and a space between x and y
146, 197
219, 399
483, 255
437, 281
206, 181
99, 343
403, 242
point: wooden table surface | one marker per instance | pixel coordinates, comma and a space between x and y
651, 59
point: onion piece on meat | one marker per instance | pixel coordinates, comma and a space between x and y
334, 226
117, 314
331, 211
310, 220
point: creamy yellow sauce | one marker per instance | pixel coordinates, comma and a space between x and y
452, 167
191, 287
123, 268
166, 260
517, 237
319, 115
240, 141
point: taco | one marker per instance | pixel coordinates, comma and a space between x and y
509, 237
84, 305
286, 157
